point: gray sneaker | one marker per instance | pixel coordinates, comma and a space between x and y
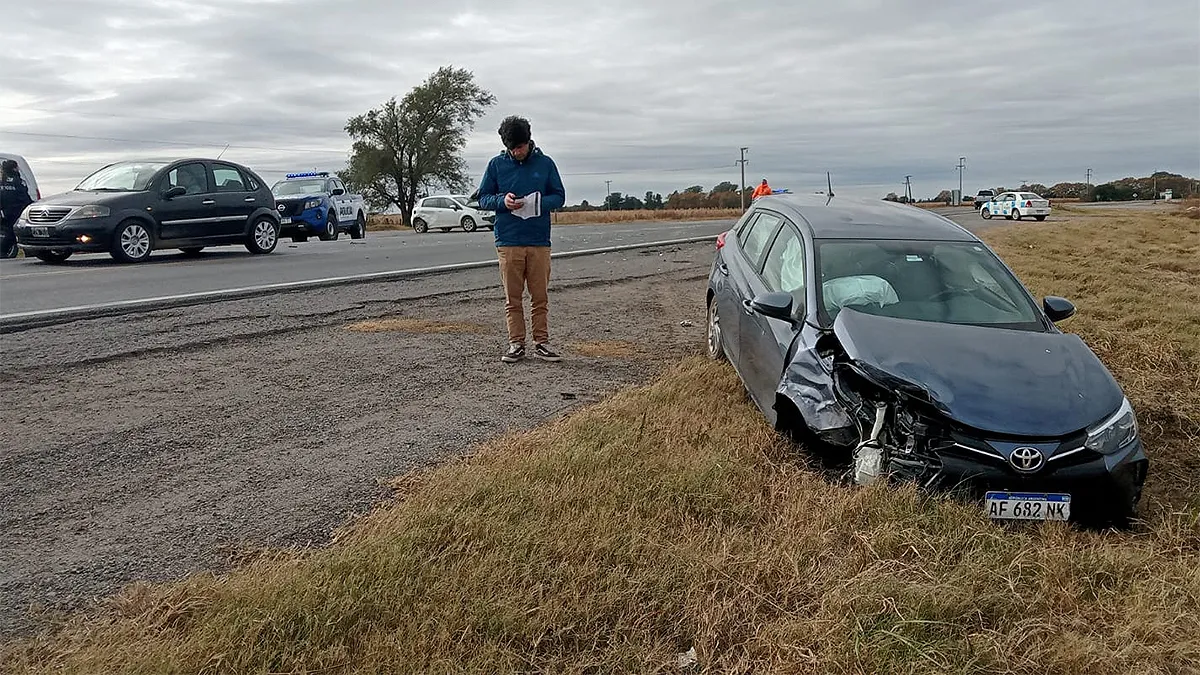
543, 352
515, 353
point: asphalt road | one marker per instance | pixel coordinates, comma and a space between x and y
29, 285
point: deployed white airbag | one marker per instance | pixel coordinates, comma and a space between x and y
860, 289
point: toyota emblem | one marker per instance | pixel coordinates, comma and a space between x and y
1027, 459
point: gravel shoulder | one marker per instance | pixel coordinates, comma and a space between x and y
151, 446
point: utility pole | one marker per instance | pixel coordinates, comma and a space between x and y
742, 161
908, 189
1088, 197
962, 164
607, 193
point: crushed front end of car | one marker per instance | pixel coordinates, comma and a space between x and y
1029, 423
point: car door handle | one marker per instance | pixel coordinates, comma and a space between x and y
723, 269
248, 199
208, 201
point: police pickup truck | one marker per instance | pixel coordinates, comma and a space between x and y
317, 203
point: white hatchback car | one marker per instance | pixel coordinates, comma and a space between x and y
447, 212
1015, 206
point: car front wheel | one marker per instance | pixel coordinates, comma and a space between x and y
986, 214
132, 242
331, 227
264, 236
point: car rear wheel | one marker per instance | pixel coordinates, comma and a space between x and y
132, 242
53, 257
420, 226
468, 224
1016, 214
360, 228
264, 236
715, 350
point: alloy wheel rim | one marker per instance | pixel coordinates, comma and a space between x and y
264, 235
135, 241
714, 329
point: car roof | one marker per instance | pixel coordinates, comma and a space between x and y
852, 218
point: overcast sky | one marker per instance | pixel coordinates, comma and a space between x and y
652, 95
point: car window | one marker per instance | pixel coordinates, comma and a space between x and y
783, 270
191, 177
947, 282
251, 183
228, 179
759, 233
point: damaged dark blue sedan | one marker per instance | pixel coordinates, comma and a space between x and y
898, 338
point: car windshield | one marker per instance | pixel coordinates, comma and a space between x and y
938, 281
123, 177
298, 187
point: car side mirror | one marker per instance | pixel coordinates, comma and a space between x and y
337, 191
774, 306
1058, 309
177, 191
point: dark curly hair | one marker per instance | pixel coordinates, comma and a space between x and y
514, 131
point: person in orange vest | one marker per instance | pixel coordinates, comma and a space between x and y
762, 190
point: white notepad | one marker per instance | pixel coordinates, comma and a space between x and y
532, 206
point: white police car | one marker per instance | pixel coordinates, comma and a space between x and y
316, 203
1015, 206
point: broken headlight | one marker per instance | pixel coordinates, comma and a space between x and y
1115, 432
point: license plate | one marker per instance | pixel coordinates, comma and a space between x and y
41, 232
1028, 505
286, 220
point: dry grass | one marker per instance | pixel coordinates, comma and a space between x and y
412, 325
670, 517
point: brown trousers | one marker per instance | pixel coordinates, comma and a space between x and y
522, 266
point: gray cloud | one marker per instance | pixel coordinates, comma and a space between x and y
650, 95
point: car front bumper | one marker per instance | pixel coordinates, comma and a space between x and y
1097, 483
74, 236
310, 221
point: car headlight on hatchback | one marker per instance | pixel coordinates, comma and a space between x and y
90, 211
1114, 433
312, 203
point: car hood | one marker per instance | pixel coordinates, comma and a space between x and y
992, 379
85, 197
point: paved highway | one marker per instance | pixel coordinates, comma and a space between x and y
30, 285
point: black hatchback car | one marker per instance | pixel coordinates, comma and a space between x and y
900, 340
130, 209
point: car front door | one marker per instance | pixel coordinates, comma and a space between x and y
235, 201
765, 341
190, 215
345, 208
740, 258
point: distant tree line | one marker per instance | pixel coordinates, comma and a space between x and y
1125, 189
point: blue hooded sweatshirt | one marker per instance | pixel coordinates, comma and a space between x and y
536, 173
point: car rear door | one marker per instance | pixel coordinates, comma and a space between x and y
741, 258
191, 215
765, 341
235, 201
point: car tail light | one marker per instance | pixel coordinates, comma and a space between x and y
1028, 204
721, 240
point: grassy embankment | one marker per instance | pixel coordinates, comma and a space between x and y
669, 517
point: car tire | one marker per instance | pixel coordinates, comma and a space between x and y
712, 333
131, 242
332, 229
263, 237
1016, 214
468, 224
191, 250
53, 257
420, 226
360, 227
1040, 218
986, 214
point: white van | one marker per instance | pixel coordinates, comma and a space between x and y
26, 173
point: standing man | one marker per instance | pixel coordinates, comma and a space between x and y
14, 197
522, 186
